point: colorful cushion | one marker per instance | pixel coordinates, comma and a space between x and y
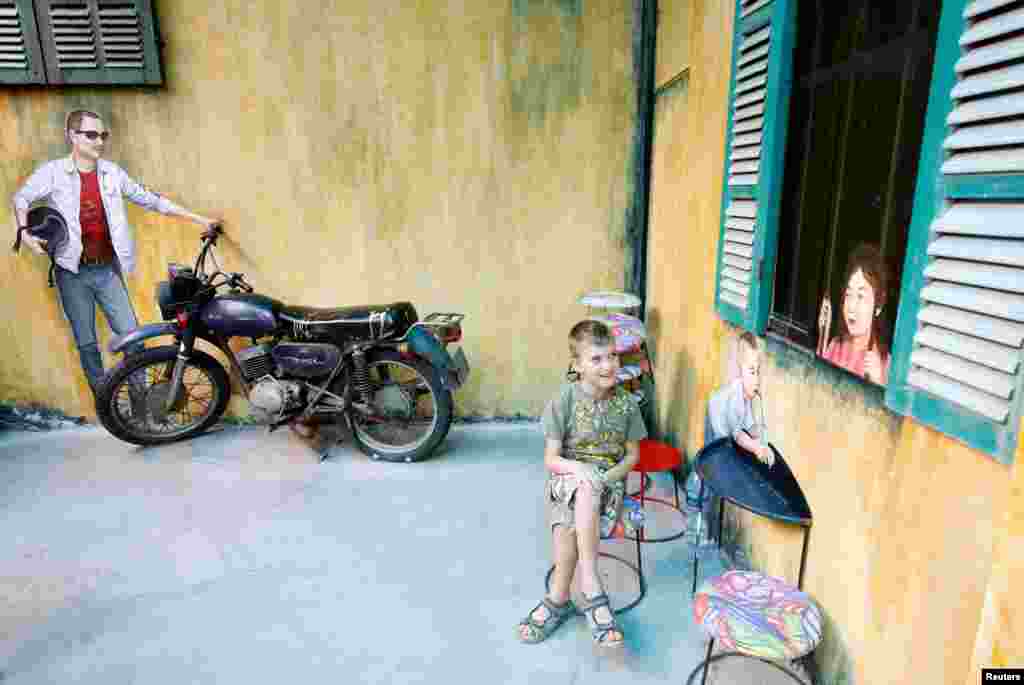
636, 358
628, 331
628, 372
758, 615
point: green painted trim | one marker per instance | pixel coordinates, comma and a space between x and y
929, 199
149, 74
782, 16
985, 187
103, 76
773, 160
153, 65
724, 309
756, 20
966, 427
33, 72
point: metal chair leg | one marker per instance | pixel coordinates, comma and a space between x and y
700, 527
721, 519
707, 663
725, 655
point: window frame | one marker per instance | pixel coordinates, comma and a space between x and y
41, 51
930, 195
781, 15
931, 191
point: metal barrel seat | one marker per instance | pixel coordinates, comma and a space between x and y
753, 614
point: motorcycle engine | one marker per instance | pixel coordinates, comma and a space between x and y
270, 398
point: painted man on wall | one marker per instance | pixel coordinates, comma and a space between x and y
89, 192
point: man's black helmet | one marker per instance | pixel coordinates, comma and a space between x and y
46, 223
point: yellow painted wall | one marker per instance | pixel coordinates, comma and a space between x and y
916, 542
464, 156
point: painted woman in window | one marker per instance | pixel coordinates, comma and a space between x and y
860, 347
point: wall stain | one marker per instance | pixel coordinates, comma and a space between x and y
546, 63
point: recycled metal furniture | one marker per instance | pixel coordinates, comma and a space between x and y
633, 570
753, 614
658, 456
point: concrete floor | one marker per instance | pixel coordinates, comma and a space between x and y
237, 557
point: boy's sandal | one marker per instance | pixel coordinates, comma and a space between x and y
601, 631
556, 616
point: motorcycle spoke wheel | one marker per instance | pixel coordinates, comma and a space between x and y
141, 401
411, 411
133, 405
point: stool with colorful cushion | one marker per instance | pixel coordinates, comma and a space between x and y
753, 614
759, 616
628, 332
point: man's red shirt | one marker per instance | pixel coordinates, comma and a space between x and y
95, 231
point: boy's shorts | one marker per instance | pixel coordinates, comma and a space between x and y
560, 495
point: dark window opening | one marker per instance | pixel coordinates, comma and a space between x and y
862, 70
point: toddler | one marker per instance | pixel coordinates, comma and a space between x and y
731, 411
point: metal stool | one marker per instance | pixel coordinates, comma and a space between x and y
657, 456
642, 583
738, 607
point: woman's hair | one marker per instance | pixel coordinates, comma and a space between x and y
74, 119
868, 260
588, 331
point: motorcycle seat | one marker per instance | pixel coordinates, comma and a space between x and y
372, 320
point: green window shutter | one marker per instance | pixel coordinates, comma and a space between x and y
957, 355
762, 74
99, 42
21, 60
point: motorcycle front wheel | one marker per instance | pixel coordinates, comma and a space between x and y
411, 411
132, 402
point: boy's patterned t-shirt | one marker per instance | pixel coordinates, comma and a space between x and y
593, 430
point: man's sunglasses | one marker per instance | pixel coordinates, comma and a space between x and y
93, 135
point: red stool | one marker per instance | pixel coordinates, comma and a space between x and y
657, 456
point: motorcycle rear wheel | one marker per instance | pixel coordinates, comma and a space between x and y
130, 403
414, 409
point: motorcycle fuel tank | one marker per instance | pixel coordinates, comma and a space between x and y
246, 315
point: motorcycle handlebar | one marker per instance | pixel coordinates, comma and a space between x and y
213, 232
238, 281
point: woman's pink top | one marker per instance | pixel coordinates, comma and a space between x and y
842, 353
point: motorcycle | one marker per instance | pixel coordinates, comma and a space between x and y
378, 368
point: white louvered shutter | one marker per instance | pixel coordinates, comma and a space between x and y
99, 41
965, 354
20, 57
758, 103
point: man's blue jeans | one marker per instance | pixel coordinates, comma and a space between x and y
79, 295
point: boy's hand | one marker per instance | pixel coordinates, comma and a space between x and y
588, 473
765, 455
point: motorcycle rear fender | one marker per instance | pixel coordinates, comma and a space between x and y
423, 344
150, 330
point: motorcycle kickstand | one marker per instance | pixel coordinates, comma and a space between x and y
329, 444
